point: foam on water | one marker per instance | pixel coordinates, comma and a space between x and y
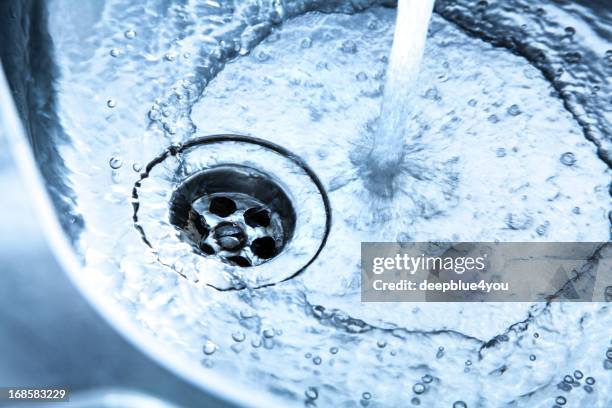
491, 162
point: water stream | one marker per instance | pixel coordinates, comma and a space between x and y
394, 130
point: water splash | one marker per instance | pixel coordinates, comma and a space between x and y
393, 125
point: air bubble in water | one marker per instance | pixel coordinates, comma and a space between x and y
418, 388
238, 336
137, 167
209, 348
114, 52
578, 374
560, 400
317, 360
268, 333
129, 34
514, 110
311, 393
568, 379
115, 163
427, 378
361, 76
440, 352
366, 396
415, 401
306, 43
590, 380
381, 343
111, 103
333, 350
349, 47
532, 357
568, 158
459, 404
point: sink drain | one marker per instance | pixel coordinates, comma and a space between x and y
232, 211
236, 213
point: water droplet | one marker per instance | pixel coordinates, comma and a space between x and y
209, 348
532, 357
578, 374
459, 404
333, 350
311, 393
427, 378
568, 379
317, 360
129, 34
349, 47
366, 396
418, 388
115, 163
111, 103
114, 52
568, 158
238, 336
560, 400
590, 380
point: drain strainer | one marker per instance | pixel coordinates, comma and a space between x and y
232, 211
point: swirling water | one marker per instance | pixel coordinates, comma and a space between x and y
503, 151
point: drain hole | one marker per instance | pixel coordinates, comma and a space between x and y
264, 248
240, 261
257, 217
235, 213
222, 206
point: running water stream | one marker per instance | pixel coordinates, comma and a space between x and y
402, 73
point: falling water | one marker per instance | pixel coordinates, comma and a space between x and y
408, 45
